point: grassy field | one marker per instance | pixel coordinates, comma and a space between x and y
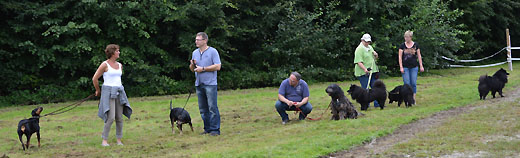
250, 125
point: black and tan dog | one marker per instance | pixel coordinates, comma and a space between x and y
179, 116
341, 107
29, 127
364, 96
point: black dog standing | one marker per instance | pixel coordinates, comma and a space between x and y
493, 84
30, 126
402, 93
364, 96
179, 116
341, 107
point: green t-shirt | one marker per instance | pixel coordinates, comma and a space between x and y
364, 55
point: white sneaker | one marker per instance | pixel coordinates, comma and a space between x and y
105, 144
121, 144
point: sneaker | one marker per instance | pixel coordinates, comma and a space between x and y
285, 122
121, 144
214, 134
102, 144
203, 133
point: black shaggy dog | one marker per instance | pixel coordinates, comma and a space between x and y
494, 84
341, 107
364, 96
179, 116
29, 127
402, 93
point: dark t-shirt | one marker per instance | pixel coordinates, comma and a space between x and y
410, 55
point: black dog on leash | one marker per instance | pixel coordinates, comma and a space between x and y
29, 127
402, 93
180, 116
341, 107
494, 84
364, 96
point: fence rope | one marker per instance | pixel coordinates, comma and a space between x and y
476, 60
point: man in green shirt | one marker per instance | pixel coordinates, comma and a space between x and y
364, 59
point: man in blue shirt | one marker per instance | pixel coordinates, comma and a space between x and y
292, 95
205, 62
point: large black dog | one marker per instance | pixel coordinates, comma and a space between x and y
364, 96
494, 84
341, 107
402, 93
179, 116
29, 127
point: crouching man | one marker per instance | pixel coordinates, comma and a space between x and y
293, 95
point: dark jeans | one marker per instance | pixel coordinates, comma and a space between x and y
208, 108
281, 107
364, 81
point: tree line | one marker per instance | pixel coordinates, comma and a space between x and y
49, 50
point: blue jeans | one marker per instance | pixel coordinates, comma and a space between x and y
281, 107
208, 108
364, 81
410, 77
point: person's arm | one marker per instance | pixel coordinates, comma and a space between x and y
360, 64
401, 60
214, 67
303, 102
420, 60
101, 69
285, 100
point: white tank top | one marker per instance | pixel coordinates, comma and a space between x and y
112, 77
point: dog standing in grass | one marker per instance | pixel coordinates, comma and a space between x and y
493, 83
341, 107
402, 93
179, 116
29, 127
364, 96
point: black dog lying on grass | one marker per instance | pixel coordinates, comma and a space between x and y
29, 127
364, 96
402, 93
494, 84
180, 116
341, 107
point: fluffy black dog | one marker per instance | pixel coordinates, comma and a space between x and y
180, 116
341, 107
364, 96
402, 93
29, 127
494, 84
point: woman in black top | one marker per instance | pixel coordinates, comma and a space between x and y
409, 59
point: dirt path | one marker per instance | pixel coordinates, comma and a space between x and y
408, 131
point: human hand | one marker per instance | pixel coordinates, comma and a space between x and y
198, 68
97, 93
375, 54
290, 103
422, 69
402, 70
298, 104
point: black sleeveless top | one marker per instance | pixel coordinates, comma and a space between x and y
410, 55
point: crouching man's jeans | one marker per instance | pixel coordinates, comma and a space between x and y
281, 107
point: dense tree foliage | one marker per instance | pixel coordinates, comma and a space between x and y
49, 50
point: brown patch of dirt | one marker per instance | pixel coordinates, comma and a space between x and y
406, 132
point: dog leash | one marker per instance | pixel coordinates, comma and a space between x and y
64, 109
313, 119
189, 95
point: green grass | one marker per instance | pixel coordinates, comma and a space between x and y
250, 125
488, 131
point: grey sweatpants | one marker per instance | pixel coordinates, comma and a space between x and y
115, 113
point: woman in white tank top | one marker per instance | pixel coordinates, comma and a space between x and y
113, 102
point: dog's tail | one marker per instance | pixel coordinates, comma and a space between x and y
379, 84
171, 104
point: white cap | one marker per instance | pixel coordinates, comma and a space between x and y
366, 37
